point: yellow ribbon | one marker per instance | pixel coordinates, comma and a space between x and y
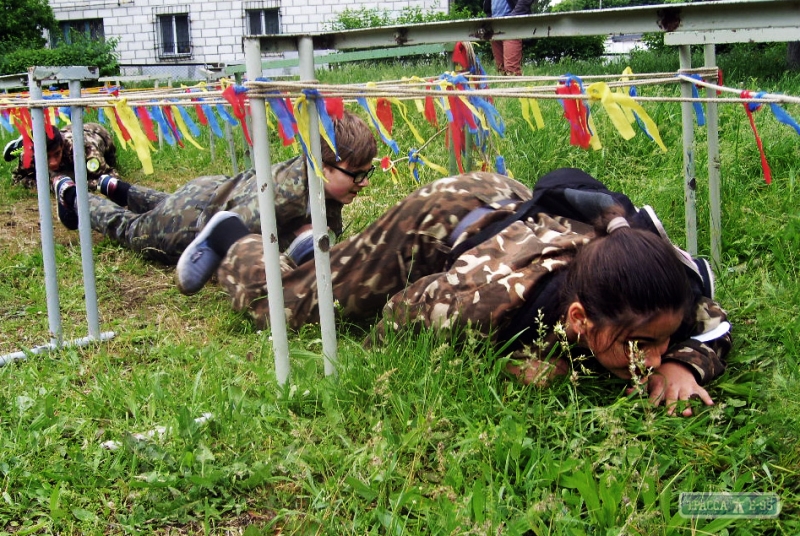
531, 107
624, 90
418, 102
435, 167
404, 114
112, 120
303, 117
138, 138
615, 103
176, 114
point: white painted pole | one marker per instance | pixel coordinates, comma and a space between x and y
714, 178
45, 214
319, 222
84, 225
689, 178
269, 227
84, 341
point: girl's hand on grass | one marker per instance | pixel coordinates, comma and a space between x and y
671, 383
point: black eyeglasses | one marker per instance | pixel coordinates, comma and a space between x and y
357, 176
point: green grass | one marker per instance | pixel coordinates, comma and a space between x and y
420, 435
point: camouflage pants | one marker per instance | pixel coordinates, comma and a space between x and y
156, 224
408, 242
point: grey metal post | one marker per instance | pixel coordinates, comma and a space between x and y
269, 226
714, 180
84, 226
231, 147
45, 214
319, 223
689, 178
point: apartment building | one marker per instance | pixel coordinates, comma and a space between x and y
157, 36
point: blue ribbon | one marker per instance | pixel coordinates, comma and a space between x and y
413, 158
324, 118
212, 120
158, 116
189, 122
782, 116
500, 164
223, 113
6, 124
698, 107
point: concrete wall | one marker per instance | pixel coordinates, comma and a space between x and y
216, 27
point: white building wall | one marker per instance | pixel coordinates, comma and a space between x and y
216, 27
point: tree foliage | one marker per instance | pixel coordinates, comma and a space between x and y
23, 22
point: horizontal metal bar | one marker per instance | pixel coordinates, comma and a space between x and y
65, 74
757, 35
344, 57
697, 17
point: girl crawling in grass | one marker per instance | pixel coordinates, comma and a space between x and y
484, 251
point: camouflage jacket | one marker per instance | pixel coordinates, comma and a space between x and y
488, 284
292, 211
101, 157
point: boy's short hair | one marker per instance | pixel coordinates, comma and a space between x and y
354, 141
56, 142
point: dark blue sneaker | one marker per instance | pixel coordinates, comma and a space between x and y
198, 262
64, 188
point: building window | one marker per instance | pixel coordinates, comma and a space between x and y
91, 28
173, 32
263, 21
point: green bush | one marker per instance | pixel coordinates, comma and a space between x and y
356, 19
82, 51
554, 49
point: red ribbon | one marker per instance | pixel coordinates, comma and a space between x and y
147, 123
460, 55
173, 126
383, 109
236, 100
575, 113
764, 164
430, 109
335, 107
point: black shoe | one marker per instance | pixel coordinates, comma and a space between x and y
64, 188
13, 149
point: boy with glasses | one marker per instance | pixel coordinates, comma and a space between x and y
160, 225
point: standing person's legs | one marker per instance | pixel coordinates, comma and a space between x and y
512, 56
406, 243
499, 56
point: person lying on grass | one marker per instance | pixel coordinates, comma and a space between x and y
479, 250
160, 225
98, 146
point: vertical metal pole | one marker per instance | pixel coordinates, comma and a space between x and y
269, 226
714, 180
319, 222
84, 226
231, 147
689, 178
45, 213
